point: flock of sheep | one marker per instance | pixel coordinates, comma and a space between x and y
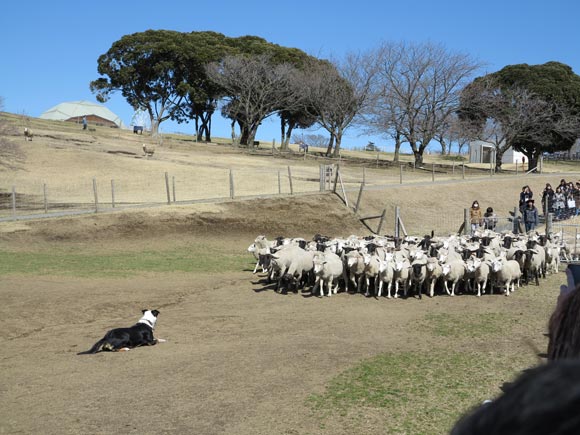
478, 264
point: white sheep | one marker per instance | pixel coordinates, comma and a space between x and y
453, 271
386, 274
434, 272
355, 266
401, 274
507, 274
480, 270
372, 266
28, 134
149, 150
328, 269
535, 263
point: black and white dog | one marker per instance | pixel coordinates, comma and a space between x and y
121, 339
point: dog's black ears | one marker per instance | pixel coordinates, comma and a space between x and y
155, 312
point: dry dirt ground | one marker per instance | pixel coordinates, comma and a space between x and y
239, 358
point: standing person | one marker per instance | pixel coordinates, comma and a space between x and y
559, 203
525, 195
475, 217
84, 122
548, 199
570, 201
530, 216
489, 219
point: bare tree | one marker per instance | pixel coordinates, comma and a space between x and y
337, 93
417, 90
313, 140
256, 88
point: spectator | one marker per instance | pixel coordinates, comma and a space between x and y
530, 216
525, 195
489, 219
543, 400
564, 325
559, 203
475, 217
548, 199
84, 122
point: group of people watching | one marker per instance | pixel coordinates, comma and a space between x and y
478, 219
563, 202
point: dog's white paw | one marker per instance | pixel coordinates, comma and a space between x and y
161, 340
124, 349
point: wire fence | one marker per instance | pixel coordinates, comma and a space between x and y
27, 197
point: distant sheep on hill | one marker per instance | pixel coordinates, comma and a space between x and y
28, 134
149, 150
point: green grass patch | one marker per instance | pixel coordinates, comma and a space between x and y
476, 325
121, 264
413, 393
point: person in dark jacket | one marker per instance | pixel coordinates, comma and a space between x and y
525, 195
530, 216
548, 199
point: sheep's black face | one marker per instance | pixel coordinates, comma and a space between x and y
417, 269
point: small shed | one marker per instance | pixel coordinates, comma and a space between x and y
484, 152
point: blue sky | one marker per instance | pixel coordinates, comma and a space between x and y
50, 49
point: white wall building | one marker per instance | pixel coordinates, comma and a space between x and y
484, 152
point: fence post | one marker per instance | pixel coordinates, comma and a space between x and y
290, 181
516, 167
541, 163
273, 145
279, 184
516, 228
576, 243
13, 200
377, 160
343, 190
45, 198
400, 174
362, 186
113, 193
397, 226
173, 186
232, 192
96, 195
336, 179
322, 170
364, 175
463, 170
167, 188
490, 168
453, 168
381, 221
466, 223
549, 223
433, 172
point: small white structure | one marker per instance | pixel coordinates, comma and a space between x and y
484, 152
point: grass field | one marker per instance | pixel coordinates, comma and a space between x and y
240, 359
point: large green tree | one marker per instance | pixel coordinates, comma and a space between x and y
149, 69
532, 108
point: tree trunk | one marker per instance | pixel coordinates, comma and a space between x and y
283, 143
330, 145
288, 134
418, 157
444, 150
233, 131
337, 143
397, 147
498, 158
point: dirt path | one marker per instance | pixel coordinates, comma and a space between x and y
239, 358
